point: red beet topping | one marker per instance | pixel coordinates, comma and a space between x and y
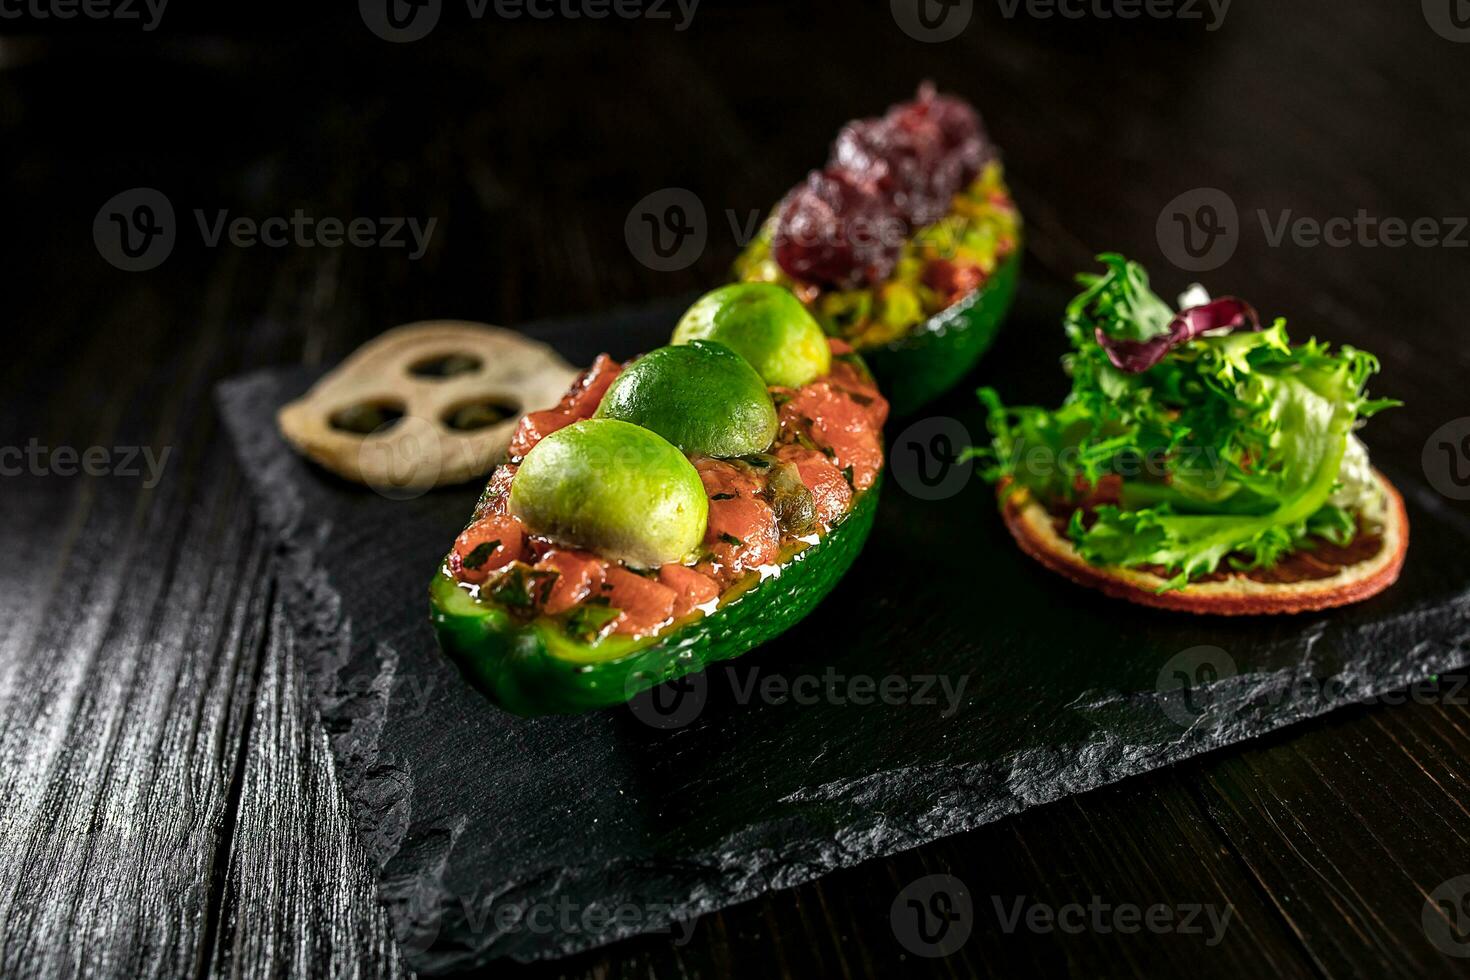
847, 223
830, 438
835, 228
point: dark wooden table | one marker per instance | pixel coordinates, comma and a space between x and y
166, 802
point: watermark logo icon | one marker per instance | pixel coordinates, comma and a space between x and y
135, 230
1183, 677
926, 460
932, 21
1199, 230
1446, 459
400, 21
667, 230
933, 916
1446, 917
1450, 19
402, 458
672, 704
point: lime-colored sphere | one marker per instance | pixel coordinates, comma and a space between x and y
702, 397
614, 488
765, 324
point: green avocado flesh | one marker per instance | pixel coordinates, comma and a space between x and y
702, 397
535, 667
614, 488
765, 324
925, 363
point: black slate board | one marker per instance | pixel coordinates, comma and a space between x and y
499, 836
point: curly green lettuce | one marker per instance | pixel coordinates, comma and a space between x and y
1229, 450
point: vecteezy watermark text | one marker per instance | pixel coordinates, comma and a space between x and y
136, 230
147, 13
1363, 230
1212, 12
1200, 229
401, 21
933, 916
679, 702
935, 21
128, 462
1103, 917
565, 916
305, 231
1204, 682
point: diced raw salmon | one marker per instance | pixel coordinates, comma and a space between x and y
492, 542
645, 604
691, 588
582, 399
742, 534
720, 477
535, 426
829, 488
497, 491
578, 575
831, 418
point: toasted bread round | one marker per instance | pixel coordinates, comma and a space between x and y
1035, 531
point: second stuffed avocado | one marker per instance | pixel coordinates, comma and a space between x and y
906, 245
669, 512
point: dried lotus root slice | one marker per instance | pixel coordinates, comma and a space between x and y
424, 405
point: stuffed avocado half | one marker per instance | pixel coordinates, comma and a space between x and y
907, 245
1202, 461
668, 512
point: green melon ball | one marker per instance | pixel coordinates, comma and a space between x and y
703, 397
613, 488
765, 324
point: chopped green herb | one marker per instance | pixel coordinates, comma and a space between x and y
729, 538
522, 587
481, 554
589, 619
723, 496
847, 475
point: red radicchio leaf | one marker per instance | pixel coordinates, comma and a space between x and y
1136, 356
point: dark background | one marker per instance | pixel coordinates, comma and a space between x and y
167, 804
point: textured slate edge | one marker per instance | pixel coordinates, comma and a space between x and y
354, 713
747, 865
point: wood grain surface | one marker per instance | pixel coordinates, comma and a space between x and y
167, 806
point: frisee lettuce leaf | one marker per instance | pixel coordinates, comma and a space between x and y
1225, 452
1120, 302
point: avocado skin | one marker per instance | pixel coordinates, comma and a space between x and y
512, 664
925, 363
